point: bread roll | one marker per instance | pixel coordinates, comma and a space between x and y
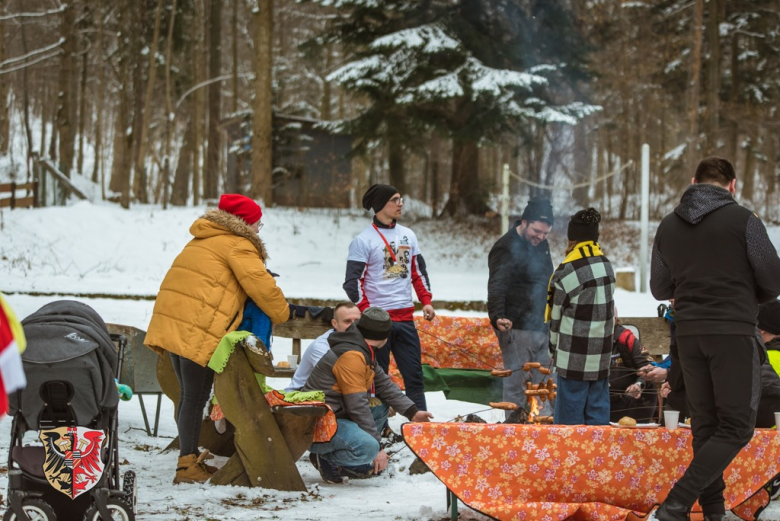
627, 421
283, 363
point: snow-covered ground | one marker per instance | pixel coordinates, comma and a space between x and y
100, 249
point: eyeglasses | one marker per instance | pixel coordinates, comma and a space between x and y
398, 201
259, 226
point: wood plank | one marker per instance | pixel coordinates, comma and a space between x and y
62, 178
301, 328
7, 187
260, 444
25, 202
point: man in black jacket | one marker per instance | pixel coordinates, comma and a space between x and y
520, 269
715, 259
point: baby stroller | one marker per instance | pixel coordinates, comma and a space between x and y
71, 399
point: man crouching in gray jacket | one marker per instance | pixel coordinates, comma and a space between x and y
348, 375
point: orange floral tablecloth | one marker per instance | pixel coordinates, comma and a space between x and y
546, 473
455, 342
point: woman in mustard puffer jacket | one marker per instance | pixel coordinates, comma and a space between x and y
200, 300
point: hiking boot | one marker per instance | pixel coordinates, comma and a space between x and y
359, 471
191, 469
329, 472
206, 455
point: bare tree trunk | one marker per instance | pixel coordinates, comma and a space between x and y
395, 164
749, 175
5, 125
435, 162
235, 55
44, 118
197, 125
26, 96
82, 112
582, 164
137, 178
184, 166
713, 87
64, 95
120, 169
211, 176
694, 86
140, 188
169, 105
325, 106
96, 171
465, 195
262, 116
736, 85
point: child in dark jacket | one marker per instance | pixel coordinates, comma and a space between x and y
580, 308
629, 393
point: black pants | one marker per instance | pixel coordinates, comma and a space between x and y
195, 388
404, 343
722, 386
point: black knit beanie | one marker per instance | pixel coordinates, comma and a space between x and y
377, 196
584, 225
375, 324
769, 317
538, 209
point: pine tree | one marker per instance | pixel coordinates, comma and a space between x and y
474, 71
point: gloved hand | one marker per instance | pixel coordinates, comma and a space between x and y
124, 390
297, 311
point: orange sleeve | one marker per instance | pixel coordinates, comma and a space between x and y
351, 371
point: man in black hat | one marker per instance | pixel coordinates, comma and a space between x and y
520, 268
715, 259
384, 264
348, 373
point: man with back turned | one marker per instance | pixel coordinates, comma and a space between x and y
714, 258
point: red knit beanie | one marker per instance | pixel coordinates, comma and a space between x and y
241, 206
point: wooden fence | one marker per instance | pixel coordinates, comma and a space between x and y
50, 187
10, 199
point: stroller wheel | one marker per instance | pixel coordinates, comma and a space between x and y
36, 510
129, 488
119, 508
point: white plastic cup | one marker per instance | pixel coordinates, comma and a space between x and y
293, 361
777, 419
671, 418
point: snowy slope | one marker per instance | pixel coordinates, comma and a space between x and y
101, 249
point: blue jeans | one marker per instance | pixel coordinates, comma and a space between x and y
351, 445
404, 343
582, 402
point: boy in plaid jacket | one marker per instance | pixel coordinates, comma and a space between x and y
581, 311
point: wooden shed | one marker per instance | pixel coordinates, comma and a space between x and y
312, 167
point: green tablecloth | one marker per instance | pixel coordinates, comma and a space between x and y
467, 385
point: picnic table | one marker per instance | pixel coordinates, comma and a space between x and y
527, 472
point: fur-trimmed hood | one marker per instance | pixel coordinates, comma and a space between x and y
226, 223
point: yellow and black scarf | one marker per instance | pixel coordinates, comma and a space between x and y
580, 251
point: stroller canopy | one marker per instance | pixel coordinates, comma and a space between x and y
68, 341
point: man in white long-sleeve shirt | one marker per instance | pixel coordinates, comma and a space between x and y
343, 315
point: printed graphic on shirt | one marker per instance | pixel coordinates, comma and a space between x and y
400, 267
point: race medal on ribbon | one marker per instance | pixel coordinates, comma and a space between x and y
395, 269
72, 463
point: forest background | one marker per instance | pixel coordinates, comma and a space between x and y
437, 95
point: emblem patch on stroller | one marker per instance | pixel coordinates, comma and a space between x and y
72, 464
